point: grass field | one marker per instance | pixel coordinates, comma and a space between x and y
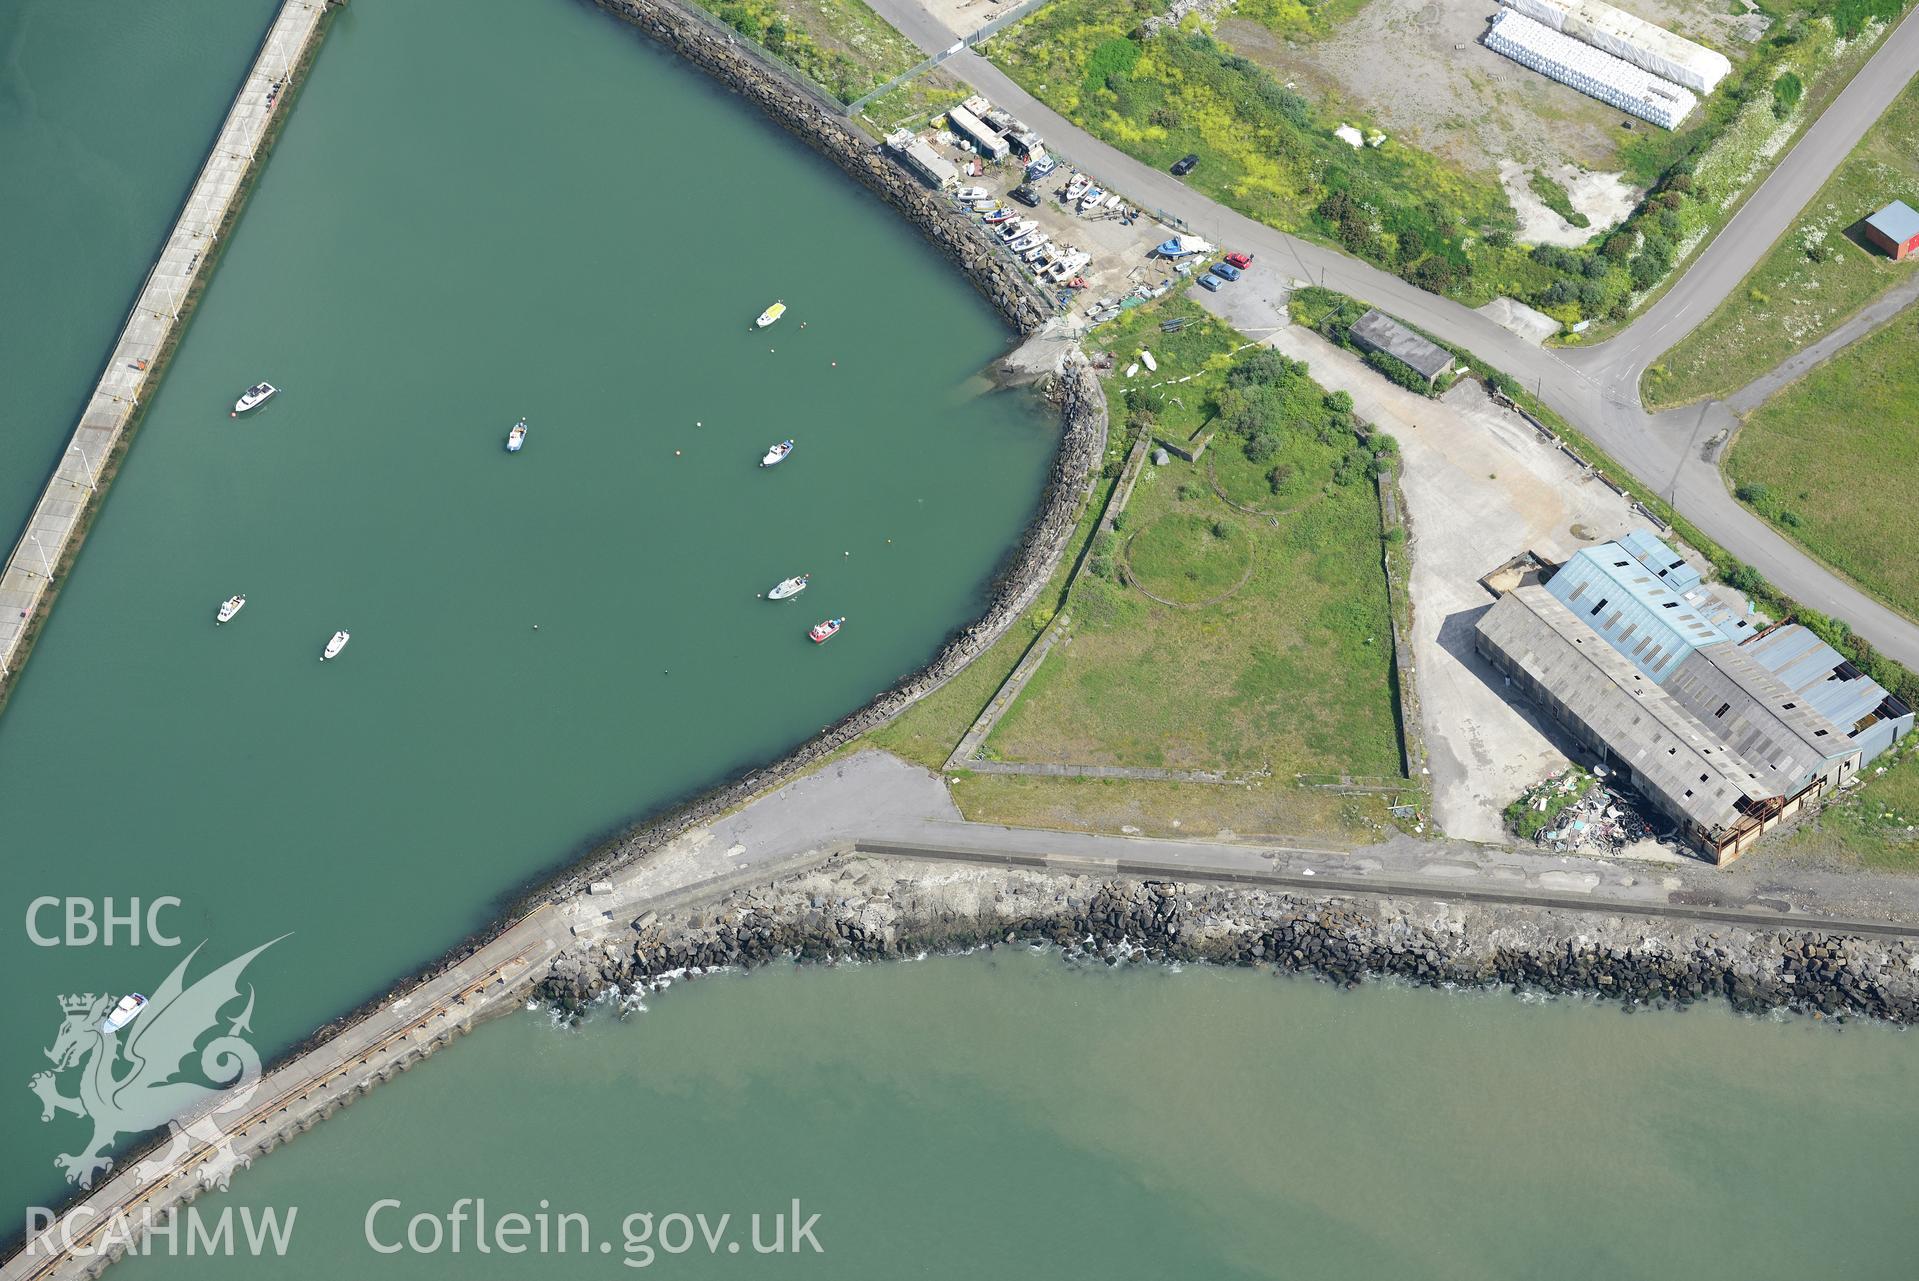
1292, 670
1812, 279
840, 45
1831, 460
1876, 826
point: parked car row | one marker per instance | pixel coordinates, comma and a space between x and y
1225, 271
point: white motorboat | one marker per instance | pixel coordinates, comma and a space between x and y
516, 437
228, 608
334, 646
1041, 247
1077, 187
124, 1013
1027, 241
967, 195
770, 315
789, 587
1091, 199
1024, 227
254, 397
778, 454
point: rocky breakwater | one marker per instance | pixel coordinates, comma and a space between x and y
1082, 407
799, 109
857, 908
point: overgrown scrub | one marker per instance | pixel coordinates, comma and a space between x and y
1555, 197
1264, 149
840, 45
1292, 669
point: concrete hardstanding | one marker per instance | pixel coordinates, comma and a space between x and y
59, 519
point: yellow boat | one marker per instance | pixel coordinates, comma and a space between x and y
770, 315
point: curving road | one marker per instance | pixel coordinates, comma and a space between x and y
1595, 388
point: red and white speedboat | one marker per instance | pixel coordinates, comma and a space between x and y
825, 631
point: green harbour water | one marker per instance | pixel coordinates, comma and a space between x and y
477, 212
1007, 1115
516, 207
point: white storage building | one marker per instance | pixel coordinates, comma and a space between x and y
1648, 47
1592, 71
915, 153
974, 130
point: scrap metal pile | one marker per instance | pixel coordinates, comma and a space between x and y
1604, 821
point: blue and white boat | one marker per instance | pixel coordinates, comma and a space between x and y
778, 454
1182, 247
124, 1013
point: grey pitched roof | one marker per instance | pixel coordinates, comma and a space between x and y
1380, 332
1687, 770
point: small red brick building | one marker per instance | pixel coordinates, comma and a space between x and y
1894, 229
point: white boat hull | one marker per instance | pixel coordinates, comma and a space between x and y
230, 609
788, 589
334, 646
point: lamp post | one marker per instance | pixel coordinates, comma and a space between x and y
86, 465
47, 564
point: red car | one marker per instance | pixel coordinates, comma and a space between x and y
1241, 261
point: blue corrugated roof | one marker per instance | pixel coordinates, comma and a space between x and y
1662, 560
1897, 221
1642, 616
1809, 667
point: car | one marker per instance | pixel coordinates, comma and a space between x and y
1026, 196
1184, 165
1211, 281
1240, 260
1226, 271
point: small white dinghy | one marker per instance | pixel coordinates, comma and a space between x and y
228, 608
789, 587
334, 646
124, 1013
777, 454
254, 397
1146, 358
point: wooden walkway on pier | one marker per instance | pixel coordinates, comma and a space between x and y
59, 518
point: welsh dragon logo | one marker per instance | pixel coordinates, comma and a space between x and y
133, 1086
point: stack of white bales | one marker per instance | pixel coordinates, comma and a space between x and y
1590, 70
1650, 48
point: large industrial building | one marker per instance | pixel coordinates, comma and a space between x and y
1725, 728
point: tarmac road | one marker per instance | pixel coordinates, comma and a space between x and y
1594, 388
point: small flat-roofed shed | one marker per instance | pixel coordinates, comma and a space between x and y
1376, 331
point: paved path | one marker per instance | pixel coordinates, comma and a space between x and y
28, 574
1595, 388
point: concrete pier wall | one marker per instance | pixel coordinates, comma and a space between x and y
30, 577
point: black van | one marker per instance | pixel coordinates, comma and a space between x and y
1184, 165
